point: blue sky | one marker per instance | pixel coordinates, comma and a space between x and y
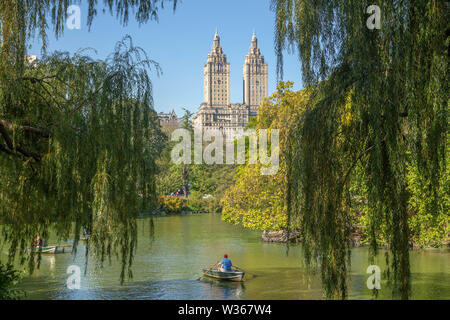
180, 42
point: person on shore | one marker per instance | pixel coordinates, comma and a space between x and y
225, 264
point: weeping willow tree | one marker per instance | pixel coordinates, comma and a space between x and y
78, 137
382, 105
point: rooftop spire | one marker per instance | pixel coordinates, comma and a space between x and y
254, 41
216, 44
216, 38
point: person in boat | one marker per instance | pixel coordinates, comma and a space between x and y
40, 242
37, 242
86, 232
225, 264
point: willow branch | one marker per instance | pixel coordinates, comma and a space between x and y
12, 148
5, 150
39, 132
5, 136
362, 154
77, 108
28, 154
37, 80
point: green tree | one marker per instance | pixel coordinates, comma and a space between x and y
383, 103
187, 125
257, 201
202, 179
78, 137
429, 220
169, 178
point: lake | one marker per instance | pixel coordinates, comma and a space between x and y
168, 267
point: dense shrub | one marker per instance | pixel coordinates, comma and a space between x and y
171, 204
8, 279
210, 204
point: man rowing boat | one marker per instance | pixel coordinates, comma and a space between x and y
225, 264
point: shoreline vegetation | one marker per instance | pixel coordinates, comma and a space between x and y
171, 205
358, 240
276, 236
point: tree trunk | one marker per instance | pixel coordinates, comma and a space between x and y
185, 175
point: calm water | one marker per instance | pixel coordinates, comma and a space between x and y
168, 268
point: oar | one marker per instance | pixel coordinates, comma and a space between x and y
254, 275
207, 271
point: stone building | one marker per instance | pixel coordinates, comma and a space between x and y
255, 77
216, 112
216, 75
168, 121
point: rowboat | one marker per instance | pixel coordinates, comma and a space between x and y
48, 249
233, 275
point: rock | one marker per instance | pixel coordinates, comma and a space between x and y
294, 236
413, 245
280, 236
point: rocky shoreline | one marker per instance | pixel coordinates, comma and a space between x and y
281, 236
295, 237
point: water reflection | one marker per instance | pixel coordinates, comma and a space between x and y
52, 263
157, 290
223, 290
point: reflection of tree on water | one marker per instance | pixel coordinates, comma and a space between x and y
52, 262
47, 262
225, 290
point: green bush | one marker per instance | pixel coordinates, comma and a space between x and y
171, 204
8, 280
204, 204
429, 221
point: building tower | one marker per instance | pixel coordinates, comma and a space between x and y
255, 77
217, 76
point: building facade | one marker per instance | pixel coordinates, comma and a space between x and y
216, 75
168, 121
255, 77
216, 112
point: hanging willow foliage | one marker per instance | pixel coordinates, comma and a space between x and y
382, 104
78, 137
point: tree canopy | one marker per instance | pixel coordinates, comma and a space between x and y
78, 136
258, 201
382, 105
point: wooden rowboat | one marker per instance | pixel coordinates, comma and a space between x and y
48, 249
234, 275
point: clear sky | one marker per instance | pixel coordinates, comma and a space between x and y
180, 42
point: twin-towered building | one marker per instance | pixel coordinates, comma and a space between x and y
216, 112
